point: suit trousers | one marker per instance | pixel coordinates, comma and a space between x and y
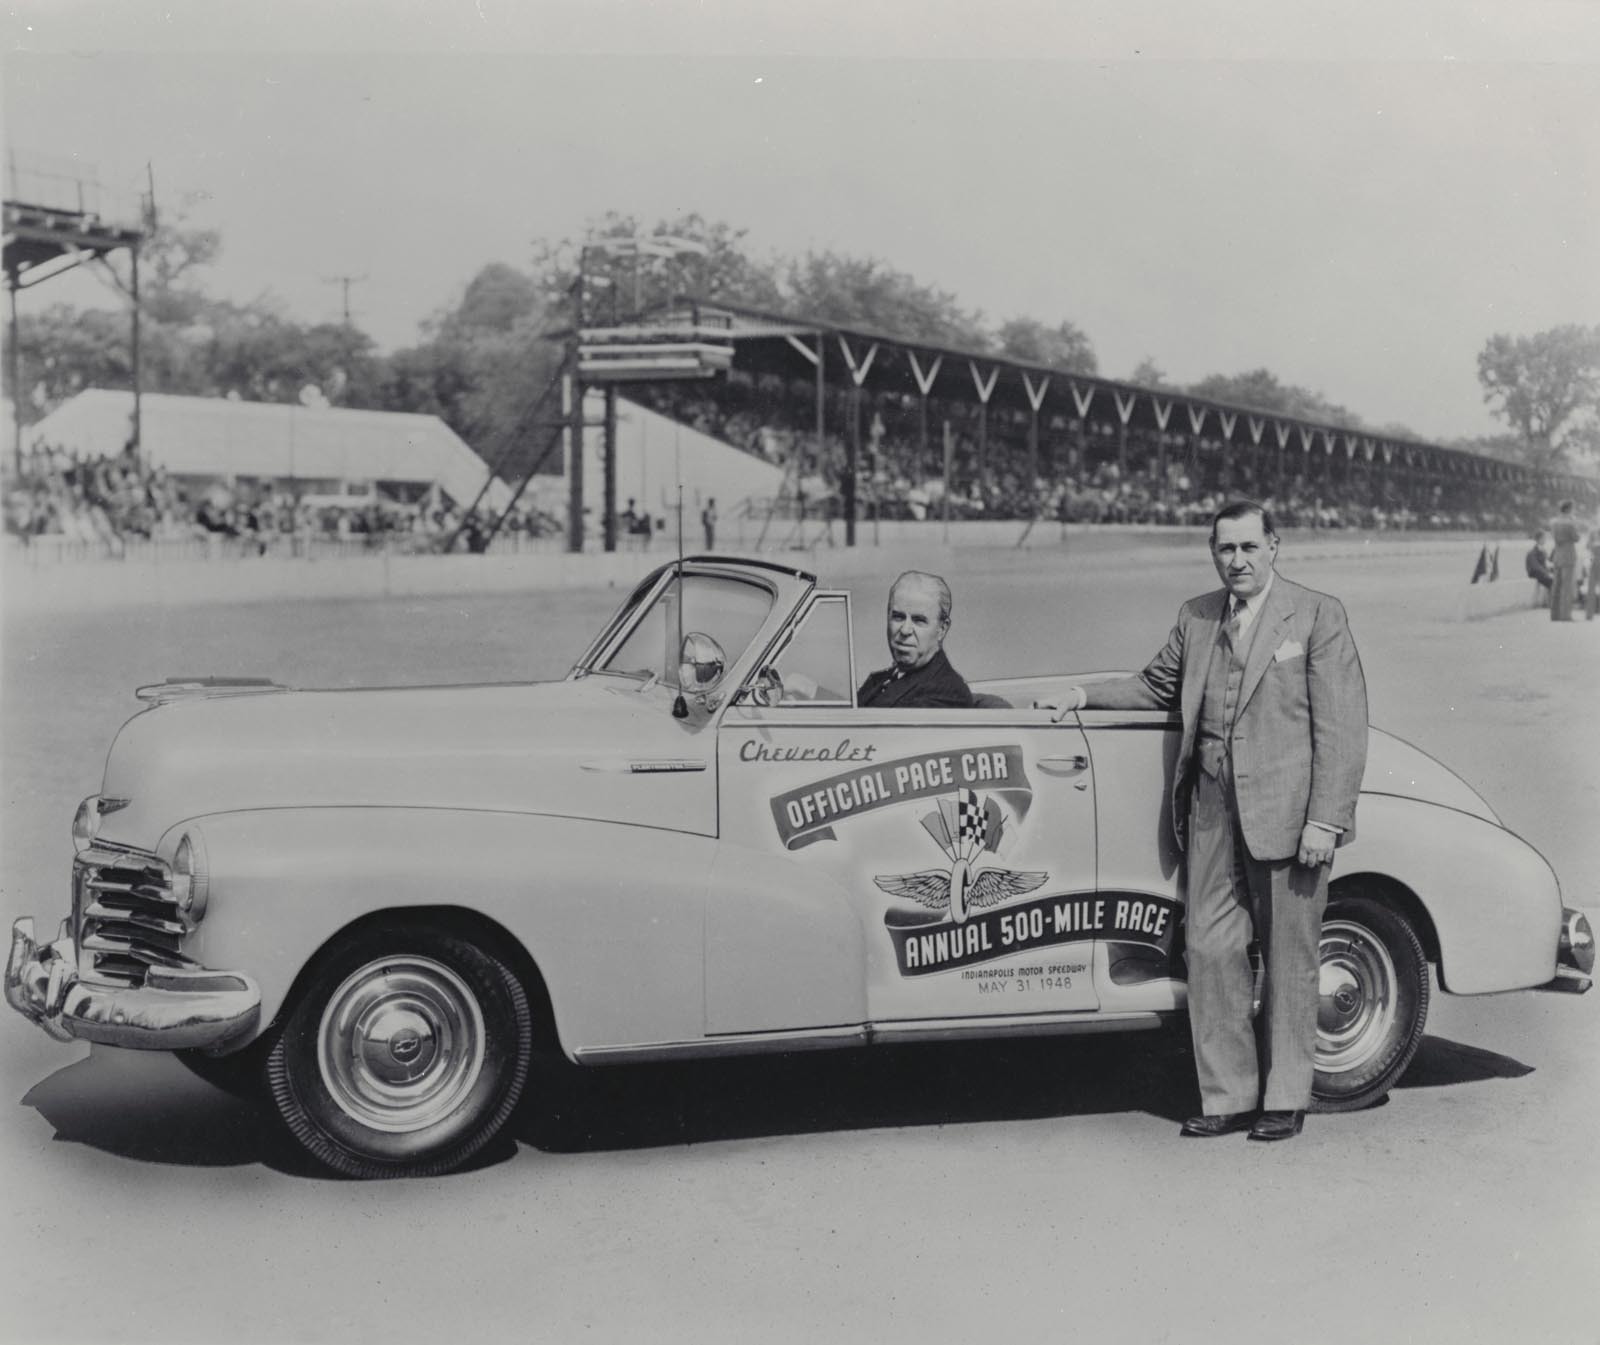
1563, 591
1232, 895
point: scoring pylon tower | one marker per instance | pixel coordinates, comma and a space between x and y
55, 221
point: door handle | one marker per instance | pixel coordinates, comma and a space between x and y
1063, 765
644, 765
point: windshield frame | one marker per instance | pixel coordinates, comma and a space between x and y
787, 588
783, 638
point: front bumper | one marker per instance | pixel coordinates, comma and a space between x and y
1574, 955
176, 1008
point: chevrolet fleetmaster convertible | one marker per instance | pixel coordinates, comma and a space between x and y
371, 908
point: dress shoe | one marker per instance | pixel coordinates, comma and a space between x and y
1277, 1125
1208, 1127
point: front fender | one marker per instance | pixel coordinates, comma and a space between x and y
1493, 899
613, 915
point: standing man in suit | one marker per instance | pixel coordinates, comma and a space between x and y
921, 675
1274, 709
1564, 562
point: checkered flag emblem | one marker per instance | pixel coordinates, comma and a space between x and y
964, 826
972, 825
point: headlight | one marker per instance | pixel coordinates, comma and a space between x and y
191, 877
1577, 941
85, 823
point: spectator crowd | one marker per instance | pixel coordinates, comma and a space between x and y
1081, 479
106, 503
1082, 474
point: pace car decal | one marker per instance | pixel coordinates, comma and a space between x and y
964, 827
810, 812
923, 948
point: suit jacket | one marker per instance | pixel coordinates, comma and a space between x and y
1567, 535
935, 684
1300, 734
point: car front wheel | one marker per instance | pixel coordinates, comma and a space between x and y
404, 1055
1374, 1002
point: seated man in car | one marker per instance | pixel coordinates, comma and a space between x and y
1537, 561
921, 675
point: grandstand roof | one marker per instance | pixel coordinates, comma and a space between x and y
768, 342
213, 436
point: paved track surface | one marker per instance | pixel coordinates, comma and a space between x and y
1037, 1190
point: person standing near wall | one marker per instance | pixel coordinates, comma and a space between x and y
1591, 600
1564, 562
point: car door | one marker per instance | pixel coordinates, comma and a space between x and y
1140, 868
915, 870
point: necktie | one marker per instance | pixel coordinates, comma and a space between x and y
895, 674
1231, 627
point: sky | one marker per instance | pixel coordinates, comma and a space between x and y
1353, 195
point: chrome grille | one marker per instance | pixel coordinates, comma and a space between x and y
125, 917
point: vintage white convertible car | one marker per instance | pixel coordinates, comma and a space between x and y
374, 906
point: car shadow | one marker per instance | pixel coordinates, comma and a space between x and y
148, 1108
571, 1108
1440, 1062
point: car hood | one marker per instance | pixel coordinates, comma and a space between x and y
1394, 766
551, 747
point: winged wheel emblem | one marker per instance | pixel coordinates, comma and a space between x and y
964, 828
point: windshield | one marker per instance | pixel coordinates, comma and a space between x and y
730, 611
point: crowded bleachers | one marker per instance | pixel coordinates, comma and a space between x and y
107, 506
1083, 477
1083, 474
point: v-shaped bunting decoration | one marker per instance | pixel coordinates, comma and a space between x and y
924, 380
1035, 399
812, 355
858, 372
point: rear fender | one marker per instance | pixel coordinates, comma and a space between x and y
1493, 899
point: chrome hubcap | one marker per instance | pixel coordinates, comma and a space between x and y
1357, 984
401, 1043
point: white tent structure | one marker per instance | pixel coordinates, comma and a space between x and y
316, 450
654, 453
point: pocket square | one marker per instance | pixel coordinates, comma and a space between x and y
1287, 650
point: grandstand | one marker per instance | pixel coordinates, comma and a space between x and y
331, 452
655, 453
900, 428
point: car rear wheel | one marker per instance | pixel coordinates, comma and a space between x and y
1374, 1002
404, 1054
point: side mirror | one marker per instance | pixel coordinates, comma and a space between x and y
766, 687
701, 664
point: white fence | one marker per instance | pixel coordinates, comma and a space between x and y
45, 578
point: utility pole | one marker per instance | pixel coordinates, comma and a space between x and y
574, 409
345, 282
136, 433
16, 373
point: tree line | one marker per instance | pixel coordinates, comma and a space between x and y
477, 363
